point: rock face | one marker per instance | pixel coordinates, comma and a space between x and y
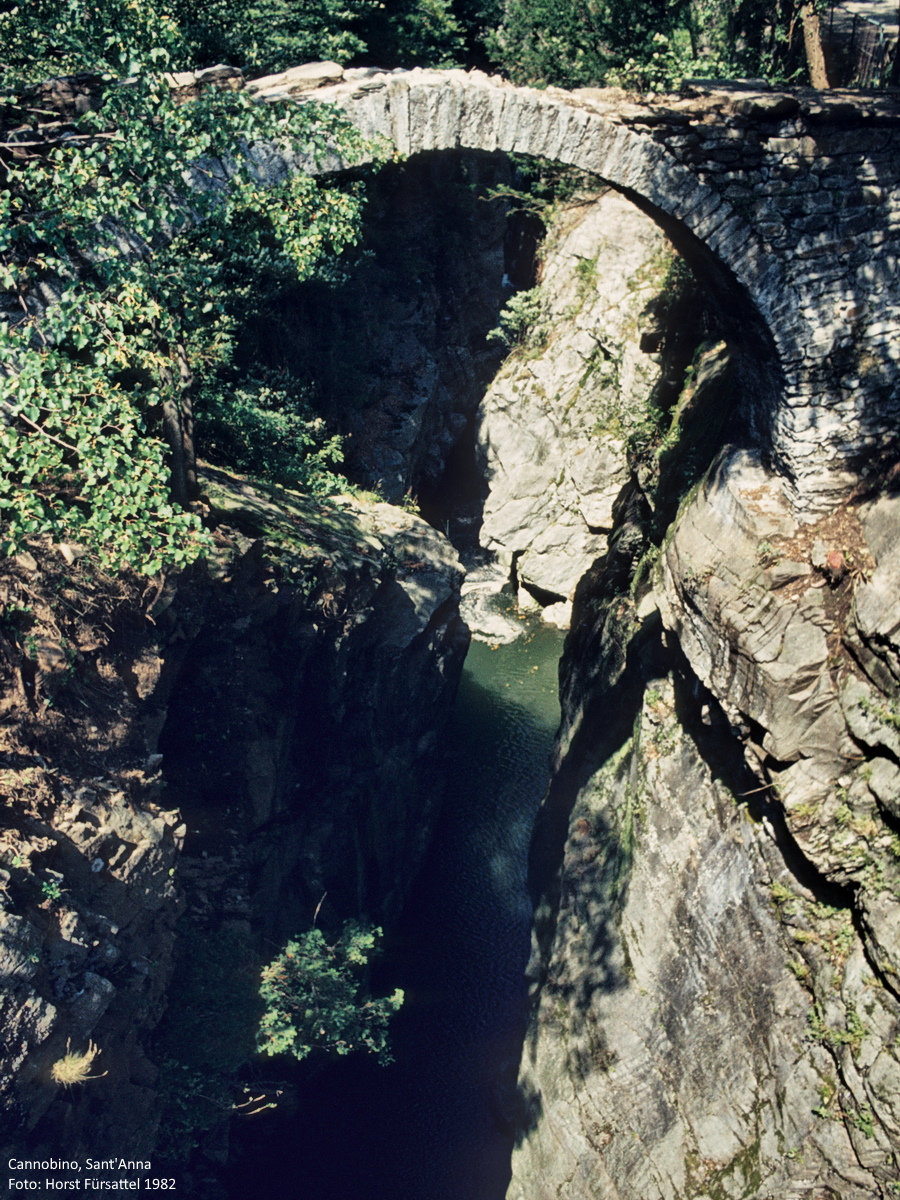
553, 426
426, 292
666, 1056
716, 866
397, 348
286, 699
715, 996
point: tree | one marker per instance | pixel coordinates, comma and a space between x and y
643, 44
148, 263
409, 33
316, 998
551, 41
269, 35
574, 44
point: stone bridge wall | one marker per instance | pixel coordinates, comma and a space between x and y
795, 194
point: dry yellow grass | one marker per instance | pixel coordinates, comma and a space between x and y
74, 1067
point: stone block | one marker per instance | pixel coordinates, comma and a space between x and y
297, 80
765, 106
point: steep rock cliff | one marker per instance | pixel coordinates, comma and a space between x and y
717, 867
553, 425
606, 337
715, 1005
199, 761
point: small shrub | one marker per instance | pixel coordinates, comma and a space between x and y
887, 713
316, 998
51, 889
799, 970
852, 1035
523, 321
864, 1121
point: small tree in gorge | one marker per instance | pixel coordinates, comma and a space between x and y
316, 997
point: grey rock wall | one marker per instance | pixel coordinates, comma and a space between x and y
553, 425
715, 990
668, 1054
399, 356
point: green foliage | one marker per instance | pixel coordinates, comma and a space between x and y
827, 1097
270, 431
523, 321
551, 41
152, 265
51, 889
478, 18
887, 713
782, 894
316, 999
542, 185
112, 38
415, 33
644, 44
864, 1121
269, 35
666, 61
851, 1036
74, 461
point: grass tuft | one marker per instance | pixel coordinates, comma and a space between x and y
75, 1068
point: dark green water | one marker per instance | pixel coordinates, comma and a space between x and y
434, 1124
463, 1024
465, 940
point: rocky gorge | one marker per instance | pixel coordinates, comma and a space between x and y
714, 992
174, 758
714, 1009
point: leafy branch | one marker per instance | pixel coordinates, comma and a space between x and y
148, 222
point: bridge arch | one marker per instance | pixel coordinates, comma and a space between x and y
454, 110
738, 180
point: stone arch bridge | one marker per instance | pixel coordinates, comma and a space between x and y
788, 201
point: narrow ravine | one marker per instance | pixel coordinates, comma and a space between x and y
436, 1124
466, 937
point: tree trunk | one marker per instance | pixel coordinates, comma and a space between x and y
172, 430
186, 380
178, 427
812, 44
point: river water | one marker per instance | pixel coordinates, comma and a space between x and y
434, 1124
